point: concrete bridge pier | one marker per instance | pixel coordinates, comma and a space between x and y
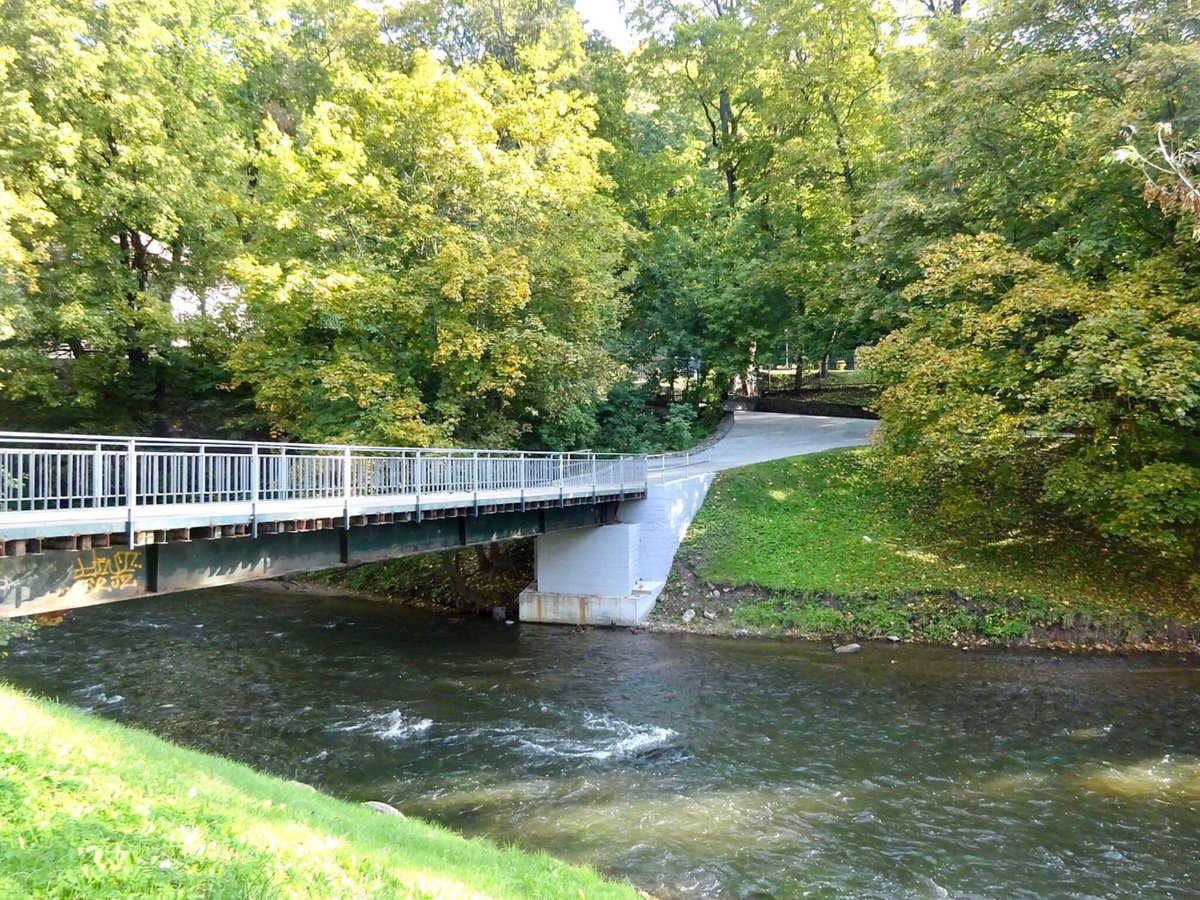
612, 575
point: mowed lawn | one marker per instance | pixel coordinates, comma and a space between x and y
93, 809
827, 524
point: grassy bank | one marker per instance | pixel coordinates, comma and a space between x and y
821, 547
93, 809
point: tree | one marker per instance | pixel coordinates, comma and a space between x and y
787, 98
123, 168
435, 262
1018, 384
1172, 181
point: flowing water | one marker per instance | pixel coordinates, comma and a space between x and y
696, 767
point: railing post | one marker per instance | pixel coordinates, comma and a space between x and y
418, 481
347, 472
475, 478
522, 479
202, 488
593, 478
254, 479
97, 475
130, 488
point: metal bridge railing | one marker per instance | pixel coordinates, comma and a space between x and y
49, 472
662, 466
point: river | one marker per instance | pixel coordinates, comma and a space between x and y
696, 767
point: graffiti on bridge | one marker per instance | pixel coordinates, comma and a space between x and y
112, 571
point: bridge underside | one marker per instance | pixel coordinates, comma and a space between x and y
52, 575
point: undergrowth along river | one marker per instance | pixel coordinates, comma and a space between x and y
694, 766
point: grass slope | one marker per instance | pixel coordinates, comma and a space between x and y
841, 555
93, 809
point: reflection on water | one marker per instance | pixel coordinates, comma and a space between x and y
697, 767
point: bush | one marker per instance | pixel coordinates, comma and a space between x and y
1015, 384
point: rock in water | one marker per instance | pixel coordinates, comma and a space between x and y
499, 613
688, 616
847, 648
386, 808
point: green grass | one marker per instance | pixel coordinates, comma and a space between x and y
93, 809
863, 396
841, 553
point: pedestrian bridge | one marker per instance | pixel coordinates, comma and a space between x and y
92, 519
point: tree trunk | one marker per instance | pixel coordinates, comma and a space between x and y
462, 590
728, 132
146, 377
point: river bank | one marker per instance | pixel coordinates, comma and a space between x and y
816, 547
819, 547
695, 767
94, 808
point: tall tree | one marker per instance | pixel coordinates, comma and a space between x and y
1047, 350
436, 261
123, 158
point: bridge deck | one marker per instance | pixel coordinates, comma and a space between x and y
140, 490
114, 520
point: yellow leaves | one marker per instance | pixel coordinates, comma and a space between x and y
458, 342
355, 380
920, 556
331, 285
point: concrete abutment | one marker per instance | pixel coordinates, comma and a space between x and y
612, 575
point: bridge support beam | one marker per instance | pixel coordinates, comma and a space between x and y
57, 580
612, 575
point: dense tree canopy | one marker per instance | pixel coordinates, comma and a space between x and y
468, 221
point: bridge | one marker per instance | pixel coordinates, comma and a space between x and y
92, 519
88, 519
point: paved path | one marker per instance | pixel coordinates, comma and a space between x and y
760, 436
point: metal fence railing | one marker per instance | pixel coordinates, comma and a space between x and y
662, 466
41, 473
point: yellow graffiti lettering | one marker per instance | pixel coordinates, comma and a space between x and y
117, 570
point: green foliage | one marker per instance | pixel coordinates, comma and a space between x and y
755, 137
939, 619
678, 427
376, 245
478, 309
1013, 382
627, 422
874, 618
473, 580
943, 626
808, 618
124, 144
10, 629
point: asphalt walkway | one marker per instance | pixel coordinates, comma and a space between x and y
761, 436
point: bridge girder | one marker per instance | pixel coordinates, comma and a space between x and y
38, 580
